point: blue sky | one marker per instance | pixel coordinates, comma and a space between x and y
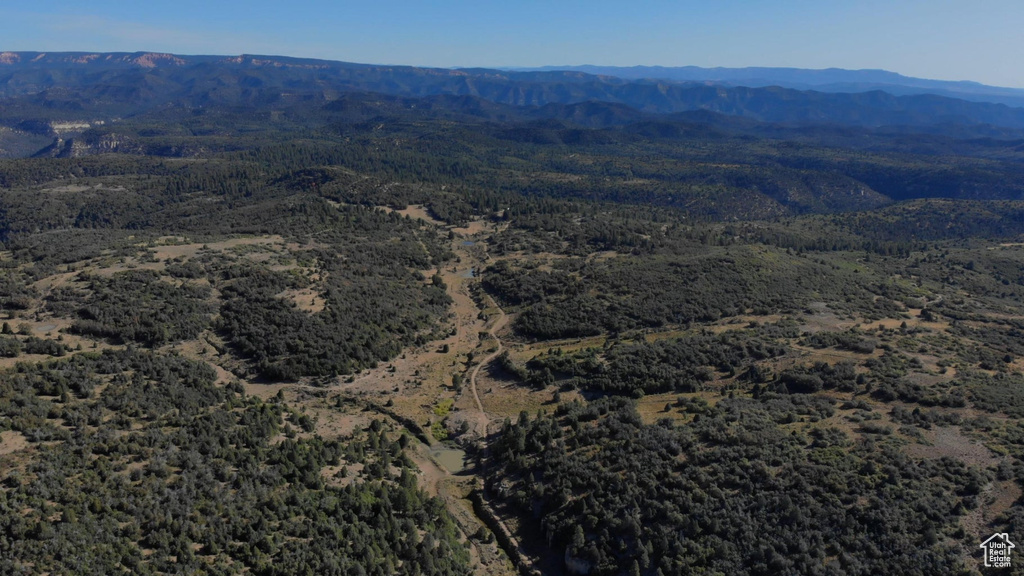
941, 39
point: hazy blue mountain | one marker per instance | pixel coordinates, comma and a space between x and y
824, 80
84, 86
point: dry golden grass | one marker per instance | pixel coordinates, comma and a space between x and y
171, 251
527, 351
473, 228
306, 299
420, 212
742, 321
652, 407
506, 399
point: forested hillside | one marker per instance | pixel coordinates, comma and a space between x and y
434, 331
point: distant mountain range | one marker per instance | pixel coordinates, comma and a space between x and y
825, 80
38, 89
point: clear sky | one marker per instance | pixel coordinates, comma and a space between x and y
981, 40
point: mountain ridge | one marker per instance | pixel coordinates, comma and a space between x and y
825, 80
72, 85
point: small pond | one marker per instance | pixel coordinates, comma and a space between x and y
453, 459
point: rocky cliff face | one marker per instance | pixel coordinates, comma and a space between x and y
139, 59
28, 60
78, 147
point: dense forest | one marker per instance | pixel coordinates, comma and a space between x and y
166, 473
732, 491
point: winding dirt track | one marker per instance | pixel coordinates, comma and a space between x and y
492, 332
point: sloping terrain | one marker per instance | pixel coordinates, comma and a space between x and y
379, 334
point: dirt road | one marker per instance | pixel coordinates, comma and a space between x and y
482, 419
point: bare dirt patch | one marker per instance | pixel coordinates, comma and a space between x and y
168, 252
823, 319
831, 356
604, 255
473, 228
950, 442
73, 188
307, 299
527, 351
418, 212
1004, 495
49, 283
11, 441
506, 399
264, 391
741, 322
202, 350
652, 407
